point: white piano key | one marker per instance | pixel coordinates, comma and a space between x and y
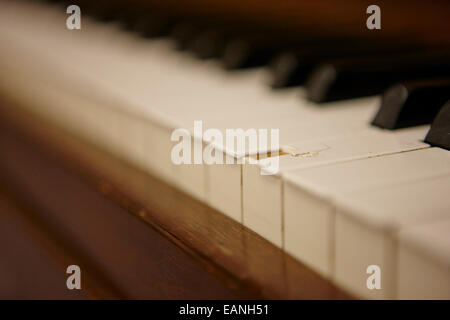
225, 189
309, 213
117, 127
423, 270
262, 194
191, 178
148, 81
367, 226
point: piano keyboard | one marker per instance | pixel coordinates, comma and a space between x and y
348, 193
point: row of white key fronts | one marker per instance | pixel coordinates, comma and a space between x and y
349, 196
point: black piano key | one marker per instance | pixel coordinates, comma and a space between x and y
209, 43
412, 104
202, 35
259, 48
439, 134
351, 78
292, 68
152, 24
247, 53
103, 11
183, 34
127, 17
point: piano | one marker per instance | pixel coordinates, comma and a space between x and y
357, 205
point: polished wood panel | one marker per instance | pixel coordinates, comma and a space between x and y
31, 265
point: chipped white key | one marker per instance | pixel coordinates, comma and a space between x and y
308, 123
262, 191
